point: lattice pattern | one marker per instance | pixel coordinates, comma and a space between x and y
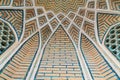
19, 65
98, 66
105, 20
112, 41
14, 17
7, 37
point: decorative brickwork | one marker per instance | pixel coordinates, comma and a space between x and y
59, 40
59, 60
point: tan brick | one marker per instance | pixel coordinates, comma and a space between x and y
52, 75
67, 75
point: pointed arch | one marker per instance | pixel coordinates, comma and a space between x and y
59, 58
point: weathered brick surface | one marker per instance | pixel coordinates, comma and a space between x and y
59, 61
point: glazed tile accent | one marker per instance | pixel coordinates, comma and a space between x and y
112, 41
59, 40
7, 37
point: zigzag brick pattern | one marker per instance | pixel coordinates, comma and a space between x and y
18, 3
19, 65
114, 4
14, 17
101, 4
45, 33
105, 20
30, 28
30, 13
91, 4
5, 2
61, 5
89, 29
74, 33
98, 66
28, 3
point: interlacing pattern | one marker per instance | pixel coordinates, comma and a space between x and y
59, 40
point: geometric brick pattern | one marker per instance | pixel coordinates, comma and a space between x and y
28, 3
66, 22
74, 35
5, 2
61, 5
74, 32
42, 20
54, 23
81, 12
71, 15
50, 15
40, 11
19, 65
59, 61
91, 4
45, 33
60, 17
30, 27
89, 29
78, 21
30, 13
114, 4
105, 20
90, 15
101, 4
7, 38
18, 3
112, 41
98, 66
14, 17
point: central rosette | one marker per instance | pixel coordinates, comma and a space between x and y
61, 5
